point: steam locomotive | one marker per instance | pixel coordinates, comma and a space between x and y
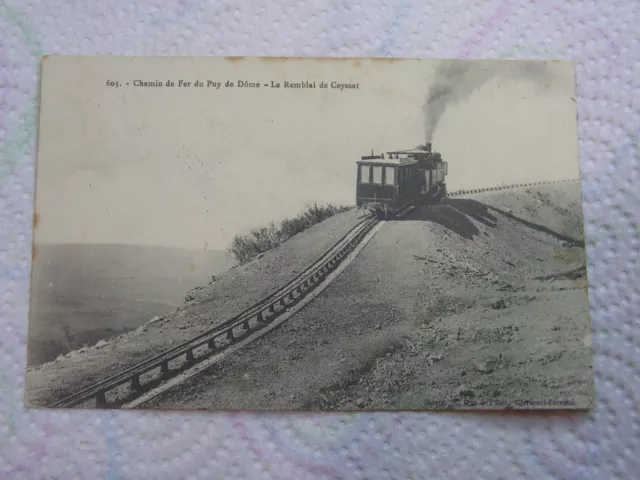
390, 185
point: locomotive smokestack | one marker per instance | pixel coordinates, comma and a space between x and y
426, 147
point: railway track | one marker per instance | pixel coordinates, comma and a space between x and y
202, 350
133, 382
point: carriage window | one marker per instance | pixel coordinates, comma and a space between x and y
377, 174
390, 176
364, 173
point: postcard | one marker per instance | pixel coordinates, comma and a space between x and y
308, 234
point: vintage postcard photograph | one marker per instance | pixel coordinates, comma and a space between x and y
308, 234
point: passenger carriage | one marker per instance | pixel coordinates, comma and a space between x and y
389, 185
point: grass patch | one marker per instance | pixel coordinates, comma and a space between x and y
246, 247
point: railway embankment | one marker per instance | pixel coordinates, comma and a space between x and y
478, 301
204, 307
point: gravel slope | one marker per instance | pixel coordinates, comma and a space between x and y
480, 301
231, 293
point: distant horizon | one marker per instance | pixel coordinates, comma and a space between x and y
90, 291
223, 249
125, 244
206, 249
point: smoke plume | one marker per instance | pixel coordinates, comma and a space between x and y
456, 80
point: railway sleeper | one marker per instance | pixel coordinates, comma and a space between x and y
241, 334
291, 299
310, 283
270, 314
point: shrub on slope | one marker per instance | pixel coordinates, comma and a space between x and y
246, 247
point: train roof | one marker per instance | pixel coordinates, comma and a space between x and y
408, 152
388, 161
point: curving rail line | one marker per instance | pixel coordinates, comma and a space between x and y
151, 372
148, 374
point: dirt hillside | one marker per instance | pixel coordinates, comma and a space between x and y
204, 307
480, 301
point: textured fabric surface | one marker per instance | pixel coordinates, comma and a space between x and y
601, 35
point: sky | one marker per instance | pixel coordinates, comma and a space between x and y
193, 166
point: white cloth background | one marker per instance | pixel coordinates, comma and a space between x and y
601, 35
